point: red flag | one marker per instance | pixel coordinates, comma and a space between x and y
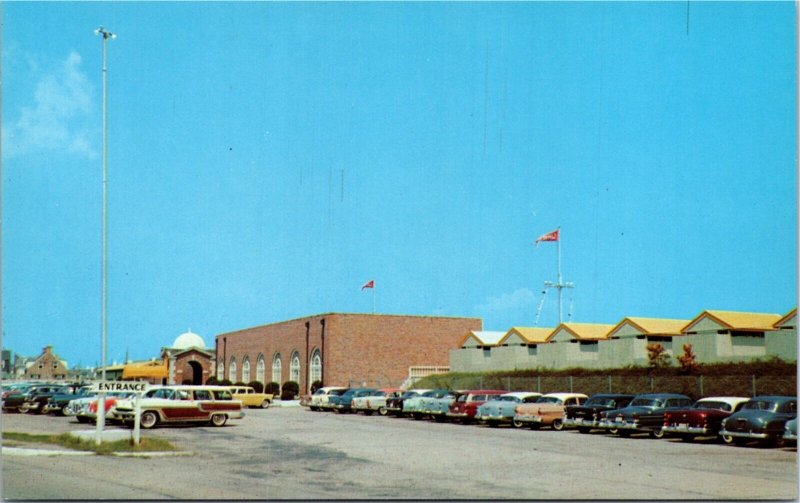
550, 236
369, 284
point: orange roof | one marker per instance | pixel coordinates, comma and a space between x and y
735, 320
786, 318
145, 370
653, 326
587, 331
531, 335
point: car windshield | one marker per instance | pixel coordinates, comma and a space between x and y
601, 401
507, 398
409, 394
712, 405
549, 399
320, 392
647, 402
761, 405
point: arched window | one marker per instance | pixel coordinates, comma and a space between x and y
221, 370
315, 367
232, 370
246, 370
294, 368
276, 368
260, 369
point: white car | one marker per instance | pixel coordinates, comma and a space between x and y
319, 400
375, 401
183, 404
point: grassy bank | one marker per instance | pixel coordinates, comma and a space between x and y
65, 440
731, 379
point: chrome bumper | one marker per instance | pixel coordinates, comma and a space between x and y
744, 434
489, 417
685, 428
788, 435
580, 423
525, 419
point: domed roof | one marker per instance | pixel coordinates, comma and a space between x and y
189, 340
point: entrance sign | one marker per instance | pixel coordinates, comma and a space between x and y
136, 387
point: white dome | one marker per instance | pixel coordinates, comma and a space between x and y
189, 340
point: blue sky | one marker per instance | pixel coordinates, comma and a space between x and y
267, 159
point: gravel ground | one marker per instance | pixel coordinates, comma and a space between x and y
292, 453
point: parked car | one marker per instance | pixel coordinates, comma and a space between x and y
374, 402
547, 410
344, 403
644, 414
36, 398
413, 406
586, 417
85, 409
790, 431
501, 409
465, 405
437, 407
183, 404
319, 399
59, 402
762, 418
703, 418
14, 395
394, 405
249, 397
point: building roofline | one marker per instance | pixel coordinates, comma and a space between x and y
322, 315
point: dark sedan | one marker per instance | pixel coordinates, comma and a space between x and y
644, 414
394, 405
762, 418
586, 417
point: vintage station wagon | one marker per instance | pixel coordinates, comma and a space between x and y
183, 404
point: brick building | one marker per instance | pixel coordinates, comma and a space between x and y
47, 366
340, 349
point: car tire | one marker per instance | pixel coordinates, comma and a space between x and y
382, 411
584, 430
726, 439
219, 419
657, 433
148, 420
517, 423
265, 404
623, 433
613, 431
558, 425
64, 410
24, 408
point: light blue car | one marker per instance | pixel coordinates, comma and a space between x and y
501, 409
414, 406
790, 431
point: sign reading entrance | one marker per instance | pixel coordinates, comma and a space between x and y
137, 387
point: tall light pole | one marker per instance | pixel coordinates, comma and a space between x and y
101, 406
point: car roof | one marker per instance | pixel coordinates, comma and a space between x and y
730, 400
482, 392
775, 398
522, 394
661, 395
612, 395
566, 395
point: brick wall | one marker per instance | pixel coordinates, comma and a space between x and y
376, 349
47, 366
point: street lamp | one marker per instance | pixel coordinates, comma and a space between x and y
101, 406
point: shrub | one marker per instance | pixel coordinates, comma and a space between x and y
212, 380
240, 383
657, 356
290, 390
315, 386
256, 385
273, 388
225, 382
688, 361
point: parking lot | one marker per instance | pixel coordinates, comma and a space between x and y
292, 453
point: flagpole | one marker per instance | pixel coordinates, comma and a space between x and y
560, 312
373, 300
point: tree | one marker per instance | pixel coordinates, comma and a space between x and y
656, 356
257, 386
212, 380
290, 390
273, 388
688, 361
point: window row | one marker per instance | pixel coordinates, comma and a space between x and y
315, 368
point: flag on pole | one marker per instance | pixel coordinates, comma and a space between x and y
369, 284
550, 236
